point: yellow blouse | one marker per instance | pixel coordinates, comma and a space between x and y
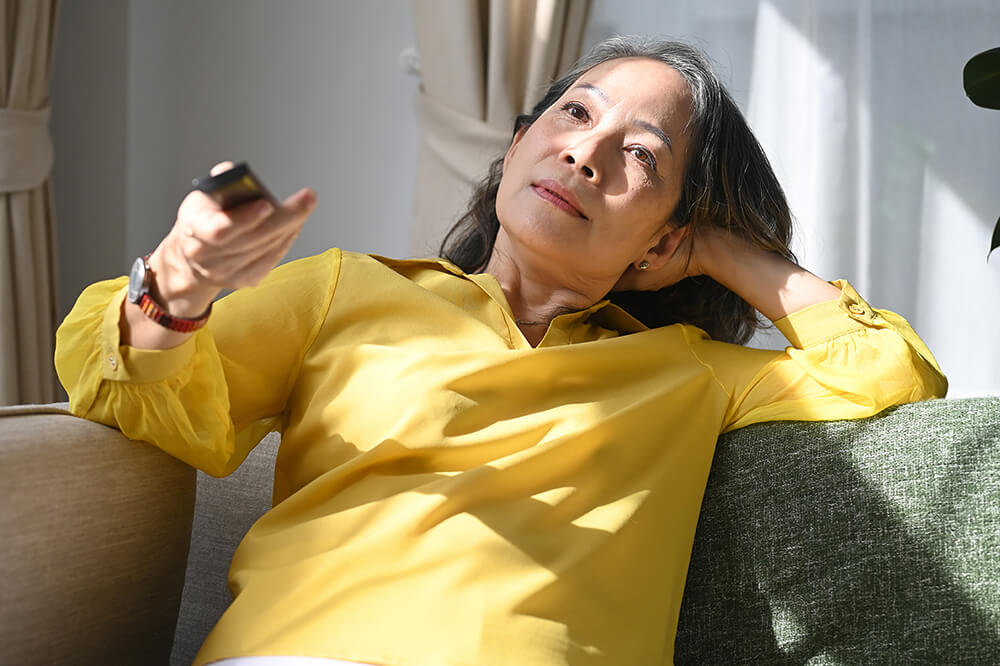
446, 494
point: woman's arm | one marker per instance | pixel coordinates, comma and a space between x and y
209, 400
846, 360
205, 397
772, 284
207, 250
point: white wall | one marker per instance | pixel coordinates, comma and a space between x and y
891, 172
148, 95
89, 106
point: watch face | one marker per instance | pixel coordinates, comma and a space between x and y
137, 280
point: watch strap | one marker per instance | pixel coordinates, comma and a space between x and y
153, 310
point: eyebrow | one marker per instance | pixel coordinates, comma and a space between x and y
649, 127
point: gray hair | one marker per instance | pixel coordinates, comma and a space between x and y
728, 183
688, 61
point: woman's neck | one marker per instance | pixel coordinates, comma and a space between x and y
535, 297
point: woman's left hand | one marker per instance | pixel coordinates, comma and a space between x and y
766, 280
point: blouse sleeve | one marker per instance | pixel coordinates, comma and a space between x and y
847, 360
211, 399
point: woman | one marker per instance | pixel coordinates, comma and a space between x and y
492, 463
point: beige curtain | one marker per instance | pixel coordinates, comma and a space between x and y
27, 282
481, 63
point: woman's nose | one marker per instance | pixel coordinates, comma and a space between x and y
583, 157
584, 167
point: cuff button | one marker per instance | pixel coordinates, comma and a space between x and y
113, 362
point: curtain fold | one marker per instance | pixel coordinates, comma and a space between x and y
481, 63
27, 262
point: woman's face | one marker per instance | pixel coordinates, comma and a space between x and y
588, 189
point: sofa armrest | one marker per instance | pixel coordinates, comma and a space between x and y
96, 531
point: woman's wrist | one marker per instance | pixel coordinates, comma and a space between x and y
180, 296
766, 280
714, 251
174, 286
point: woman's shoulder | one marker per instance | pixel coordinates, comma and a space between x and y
316, 262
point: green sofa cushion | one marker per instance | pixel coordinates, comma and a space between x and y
851, 542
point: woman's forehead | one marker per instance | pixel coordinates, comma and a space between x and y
636, 80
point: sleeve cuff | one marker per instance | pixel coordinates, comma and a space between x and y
824, 321
129, 364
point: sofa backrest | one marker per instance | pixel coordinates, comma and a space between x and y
871, 541
225, 509
853, 542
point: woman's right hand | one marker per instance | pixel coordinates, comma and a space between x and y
209, 249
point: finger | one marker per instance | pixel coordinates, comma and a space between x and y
217, 253
259, 213
198, 200
286, 220
262, 227
246, 247
255, 271
268, 253
209, 275
196, 203
302, 201
221, 167
239, 246
229, 269
219, 228
246, 269
251, 214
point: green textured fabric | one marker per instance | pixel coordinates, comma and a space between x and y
851, 542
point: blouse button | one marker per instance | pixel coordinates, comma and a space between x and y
113, 362
856, 309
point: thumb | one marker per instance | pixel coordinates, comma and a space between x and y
221, 167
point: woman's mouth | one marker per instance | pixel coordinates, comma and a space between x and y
558, 196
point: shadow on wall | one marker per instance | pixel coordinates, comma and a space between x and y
864, 545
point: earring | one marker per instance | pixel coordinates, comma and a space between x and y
643, 265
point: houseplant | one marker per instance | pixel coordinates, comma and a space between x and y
981, 78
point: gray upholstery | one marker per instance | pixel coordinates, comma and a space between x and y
861, 542
225, 510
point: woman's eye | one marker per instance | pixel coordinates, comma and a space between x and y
643, 156
575, 111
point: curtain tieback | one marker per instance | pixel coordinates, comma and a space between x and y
465, 145
25, 149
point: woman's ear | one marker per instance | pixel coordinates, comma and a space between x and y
666, 247
663, 264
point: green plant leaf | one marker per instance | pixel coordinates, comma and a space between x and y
981, 78
995, 243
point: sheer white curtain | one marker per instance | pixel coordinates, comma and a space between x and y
892, 174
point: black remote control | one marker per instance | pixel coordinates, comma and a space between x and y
234, 187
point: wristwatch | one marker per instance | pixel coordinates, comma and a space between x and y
140, 281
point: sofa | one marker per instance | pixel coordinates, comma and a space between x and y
856, 542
